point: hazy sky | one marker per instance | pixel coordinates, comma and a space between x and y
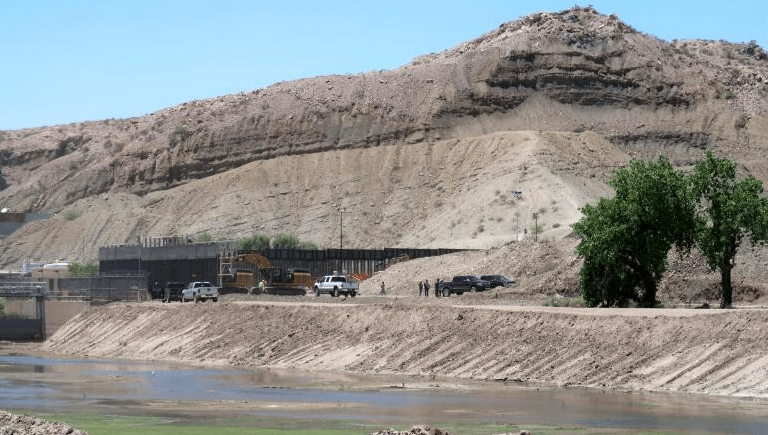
69, 61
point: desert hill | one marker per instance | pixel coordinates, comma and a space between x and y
422, 156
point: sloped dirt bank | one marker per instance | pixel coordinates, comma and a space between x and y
696, 351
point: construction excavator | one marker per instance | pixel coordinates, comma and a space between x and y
253, 274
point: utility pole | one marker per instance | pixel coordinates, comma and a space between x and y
536, 227
341, 230
518, 195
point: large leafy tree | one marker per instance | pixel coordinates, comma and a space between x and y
625, 239
729, 210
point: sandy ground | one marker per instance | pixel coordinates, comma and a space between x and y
684, 350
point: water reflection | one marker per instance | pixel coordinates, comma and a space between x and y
159, 388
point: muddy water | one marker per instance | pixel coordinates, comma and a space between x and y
46, 385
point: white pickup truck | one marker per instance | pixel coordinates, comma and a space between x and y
200, 290
336, 285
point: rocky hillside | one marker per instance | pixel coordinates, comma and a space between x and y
421, 156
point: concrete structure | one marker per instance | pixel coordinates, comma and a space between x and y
50, 273
24, 312
23, 322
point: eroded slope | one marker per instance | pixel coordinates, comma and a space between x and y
718, 352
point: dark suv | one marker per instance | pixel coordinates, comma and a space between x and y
497, 280
173, 291
463, 283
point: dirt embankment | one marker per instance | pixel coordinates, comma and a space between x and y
696, 351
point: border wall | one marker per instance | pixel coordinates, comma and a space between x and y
200, 261
106, 287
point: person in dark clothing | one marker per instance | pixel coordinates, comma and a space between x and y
426, 287
437, 287
421, 288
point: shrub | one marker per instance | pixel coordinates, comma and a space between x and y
308, 246
258, 241
72, 215
557, 301
2, 307
204, 237
77, 269
286, 241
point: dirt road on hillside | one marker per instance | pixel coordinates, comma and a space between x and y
697, 351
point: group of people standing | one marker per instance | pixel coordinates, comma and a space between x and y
424, 287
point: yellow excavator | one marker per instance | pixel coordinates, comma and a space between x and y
254, 274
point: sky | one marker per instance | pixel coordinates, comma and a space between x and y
71, 61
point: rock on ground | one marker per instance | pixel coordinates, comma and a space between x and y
11, 424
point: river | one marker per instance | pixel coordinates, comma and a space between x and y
47, 384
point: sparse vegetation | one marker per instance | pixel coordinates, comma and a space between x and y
72, 215
558, 301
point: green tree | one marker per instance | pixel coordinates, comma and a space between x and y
625, 239
2, 307
257, 242
78, 269
728, 211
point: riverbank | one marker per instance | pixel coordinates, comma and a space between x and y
719, 352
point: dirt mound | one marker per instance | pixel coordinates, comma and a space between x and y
11, 424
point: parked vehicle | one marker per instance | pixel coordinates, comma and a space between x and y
172, 291
463, 283
497, 280
336, 285
200, 291
156, 291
